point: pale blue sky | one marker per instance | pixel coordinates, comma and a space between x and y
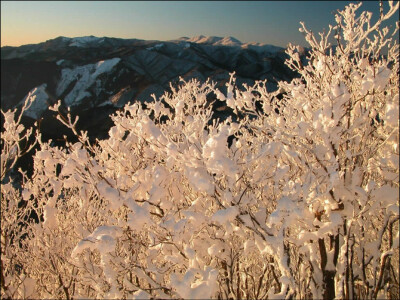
272, 22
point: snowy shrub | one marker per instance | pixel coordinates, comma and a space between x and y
302, 204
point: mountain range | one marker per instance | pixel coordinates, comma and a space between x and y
95, 76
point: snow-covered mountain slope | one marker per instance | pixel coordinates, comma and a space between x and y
215, 40
231, 42
84, 77
85, 41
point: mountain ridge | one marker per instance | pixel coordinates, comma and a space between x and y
80, 41
95, 76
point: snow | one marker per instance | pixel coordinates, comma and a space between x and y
225, 215
386, 194
109, 193
83, 41
104, 66
200, 180
40, 102
392, 113
156, 47
103, 238
140, 215
215, 40
86, 76
214, 249
141, 295
148, 129
231, 42
201, 39
228, 41
29, 286
50, 216
215, 152
105, 103
60, 62
190, 288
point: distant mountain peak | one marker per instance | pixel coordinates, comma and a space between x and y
215, 40
230, 41
83, 40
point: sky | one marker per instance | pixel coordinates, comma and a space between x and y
270, 22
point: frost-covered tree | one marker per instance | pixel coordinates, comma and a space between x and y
15, 142
334, 156
303, 203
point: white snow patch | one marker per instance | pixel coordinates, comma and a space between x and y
215, 152
83, 41
225, 215
140, 294
228, 41
232, 42
86, 76
386, 194
261, 48
140, 214
200, 180
40, 101
103, 239
105, 103
156, 47
104, 66
190, 287
215, 40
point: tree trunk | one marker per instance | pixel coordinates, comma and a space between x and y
328, 275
